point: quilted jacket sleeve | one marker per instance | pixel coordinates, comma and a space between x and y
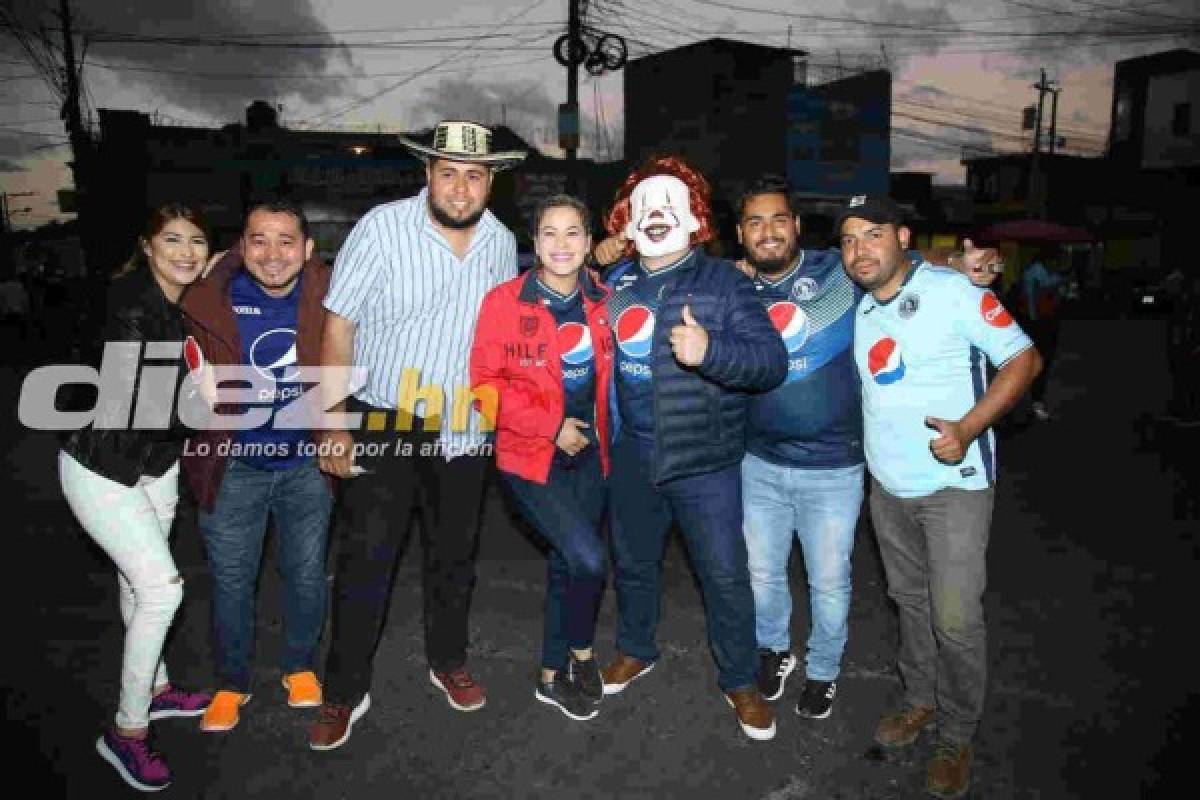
747, 354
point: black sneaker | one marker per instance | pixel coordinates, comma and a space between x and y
564, 696
773, 670
586, 677
817, 700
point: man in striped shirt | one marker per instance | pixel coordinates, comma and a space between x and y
403, 302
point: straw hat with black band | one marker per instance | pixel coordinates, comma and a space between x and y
469, 142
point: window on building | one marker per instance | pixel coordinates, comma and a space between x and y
991, 187
1181, 120
1123, 124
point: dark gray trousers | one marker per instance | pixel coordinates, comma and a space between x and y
934, 552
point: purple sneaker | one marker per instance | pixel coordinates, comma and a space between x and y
135, 762
176, 702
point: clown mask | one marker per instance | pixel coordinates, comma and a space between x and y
660, 216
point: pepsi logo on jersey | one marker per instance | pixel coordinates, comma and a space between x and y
885, 362
273, 354
791, 322
635, 331
574, 343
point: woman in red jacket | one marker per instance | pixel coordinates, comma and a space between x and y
544, 346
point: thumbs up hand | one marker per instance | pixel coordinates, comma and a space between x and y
610, 250
981, 264
950, 445
689, 341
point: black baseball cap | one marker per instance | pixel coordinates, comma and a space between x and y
877, 208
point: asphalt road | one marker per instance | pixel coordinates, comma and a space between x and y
1092, 691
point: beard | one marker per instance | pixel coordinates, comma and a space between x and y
880, 278
444, 218
772, 266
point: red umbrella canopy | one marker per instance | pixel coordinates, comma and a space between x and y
1033, 230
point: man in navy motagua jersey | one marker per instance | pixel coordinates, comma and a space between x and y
803, 470
260, 310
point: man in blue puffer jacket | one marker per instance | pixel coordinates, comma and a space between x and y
693, 339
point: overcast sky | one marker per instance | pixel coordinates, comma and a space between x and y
962, 70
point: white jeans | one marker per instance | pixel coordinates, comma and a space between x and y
131, 525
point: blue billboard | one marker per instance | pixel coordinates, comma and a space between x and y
839, 135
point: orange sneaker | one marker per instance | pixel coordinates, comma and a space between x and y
222, 712
304, 691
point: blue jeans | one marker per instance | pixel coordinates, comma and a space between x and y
821, 506
708, 509
299, 501
567, 511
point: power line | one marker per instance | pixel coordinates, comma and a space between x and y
882, 24
556, 24
1003, 118
393, 44
24, 132
314, 76
1041, 47
1137, 11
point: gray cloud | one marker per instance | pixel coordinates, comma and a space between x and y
487, 101
10, 166
925, 91
526, 107
935, 17
17, 145
172, 72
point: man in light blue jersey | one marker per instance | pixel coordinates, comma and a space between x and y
921, 337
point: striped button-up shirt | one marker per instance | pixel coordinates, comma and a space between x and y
414, 305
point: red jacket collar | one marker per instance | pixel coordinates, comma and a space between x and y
589, 284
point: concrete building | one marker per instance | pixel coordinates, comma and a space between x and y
719, 103
737, 110
1138, 198
1155, 121
337, 176
1154, 147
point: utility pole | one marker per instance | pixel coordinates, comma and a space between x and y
1035, 197
1054, 120
87, 203
82, 155
575, 33
72, 115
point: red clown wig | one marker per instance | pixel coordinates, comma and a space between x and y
699, 196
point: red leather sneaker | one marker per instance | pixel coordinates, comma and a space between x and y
462, 692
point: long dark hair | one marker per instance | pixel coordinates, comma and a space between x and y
155, 222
